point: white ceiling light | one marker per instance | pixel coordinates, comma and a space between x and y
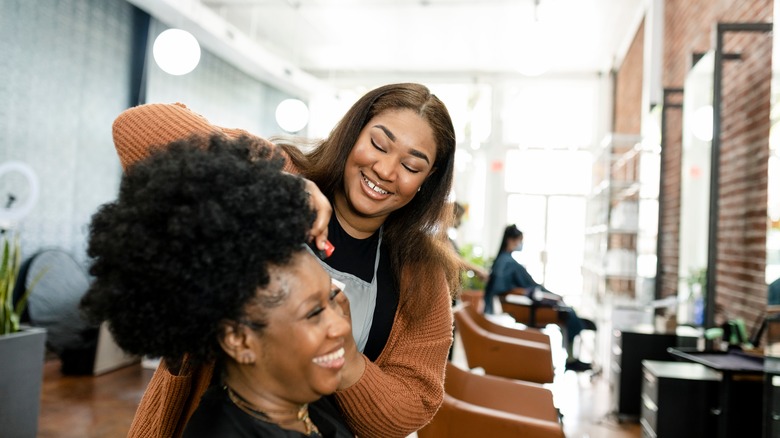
292, 115
176, 52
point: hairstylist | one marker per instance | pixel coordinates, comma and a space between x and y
387, 170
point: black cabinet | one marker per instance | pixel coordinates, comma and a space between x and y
679, 399
629, 349
740, 391
772, 397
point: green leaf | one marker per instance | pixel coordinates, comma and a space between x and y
10, 264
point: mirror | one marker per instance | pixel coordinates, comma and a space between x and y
773, 184
773, 203
695, 190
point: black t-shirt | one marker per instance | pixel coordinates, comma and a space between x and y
217, 416
357, 257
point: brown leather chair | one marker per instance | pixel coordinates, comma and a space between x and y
530, 313
502, 355
474, 297
527, 333
492, 406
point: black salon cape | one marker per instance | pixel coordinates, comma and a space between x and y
217, 416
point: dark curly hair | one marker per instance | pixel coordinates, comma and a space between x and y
188, 244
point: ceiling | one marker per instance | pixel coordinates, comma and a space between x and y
306, 46
328, 38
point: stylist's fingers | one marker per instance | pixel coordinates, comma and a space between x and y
343, 302
321, 205
355, 363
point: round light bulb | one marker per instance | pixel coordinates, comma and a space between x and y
292, 115
176, 52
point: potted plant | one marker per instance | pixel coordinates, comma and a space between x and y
473, 286
21, 351
697, 288
468, 278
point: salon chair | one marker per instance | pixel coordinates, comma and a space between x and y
476, 405
503, 355
526, 311
475, 298
521, 331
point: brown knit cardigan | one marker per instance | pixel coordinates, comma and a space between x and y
398, 393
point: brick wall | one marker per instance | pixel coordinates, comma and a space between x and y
741, 286
670, 204
628, 88
688, 29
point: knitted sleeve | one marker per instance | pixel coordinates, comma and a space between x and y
403, 389
139, 130
169, 400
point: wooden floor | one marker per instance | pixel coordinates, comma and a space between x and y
89, 407
103, 406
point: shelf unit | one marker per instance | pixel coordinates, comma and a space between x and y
615, 237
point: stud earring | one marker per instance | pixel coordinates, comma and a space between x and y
246, 358
418, 188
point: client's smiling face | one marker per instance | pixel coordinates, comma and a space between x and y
301, 350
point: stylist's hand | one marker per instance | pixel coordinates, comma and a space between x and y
481, 273
320, 204
354, 362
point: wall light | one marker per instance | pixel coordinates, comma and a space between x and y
176, 52
292, 115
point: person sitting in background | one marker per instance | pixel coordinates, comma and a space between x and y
507, 274
178, 274
773, 293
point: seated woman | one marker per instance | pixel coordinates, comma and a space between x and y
203, 256
507, 274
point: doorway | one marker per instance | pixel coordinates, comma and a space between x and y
553, 240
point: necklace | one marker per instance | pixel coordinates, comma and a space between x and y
302, 416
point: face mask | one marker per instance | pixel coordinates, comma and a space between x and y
519, 247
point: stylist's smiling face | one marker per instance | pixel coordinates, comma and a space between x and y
393, 156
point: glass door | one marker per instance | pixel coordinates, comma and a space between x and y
553, 229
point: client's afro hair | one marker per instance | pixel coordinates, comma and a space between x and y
189, 241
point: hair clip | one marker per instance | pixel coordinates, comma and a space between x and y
325, 253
